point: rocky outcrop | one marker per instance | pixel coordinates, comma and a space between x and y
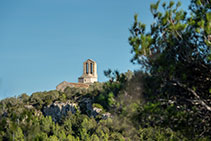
59, 109
106, 115
97, 111
93, 111
29, 106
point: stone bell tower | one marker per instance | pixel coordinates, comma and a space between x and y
89, 72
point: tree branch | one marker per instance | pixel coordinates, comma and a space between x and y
199, 100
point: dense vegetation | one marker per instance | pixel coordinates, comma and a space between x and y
169, 99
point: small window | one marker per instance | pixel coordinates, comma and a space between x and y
91, 68
87, 68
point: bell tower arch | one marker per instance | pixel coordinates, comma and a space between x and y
89, 72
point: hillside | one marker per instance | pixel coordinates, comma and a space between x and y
114, 110
75, 114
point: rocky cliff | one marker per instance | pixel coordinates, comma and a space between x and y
58, 109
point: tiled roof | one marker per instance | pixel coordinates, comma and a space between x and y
65, 84
81, 85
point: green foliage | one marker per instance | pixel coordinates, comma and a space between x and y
18, 135
97, 106
53, 138
175, 54
159, 134
45, 124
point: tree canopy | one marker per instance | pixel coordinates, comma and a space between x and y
176, 53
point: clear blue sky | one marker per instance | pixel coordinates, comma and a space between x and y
44, 42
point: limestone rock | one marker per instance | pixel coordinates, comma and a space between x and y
93, 111
106, 115
58, 109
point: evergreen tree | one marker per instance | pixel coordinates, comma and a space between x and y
176, 55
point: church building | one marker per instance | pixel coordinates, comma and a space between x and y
89, 72
88, 77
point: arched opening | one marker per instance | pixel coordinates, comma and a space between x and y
91, 68
87, 68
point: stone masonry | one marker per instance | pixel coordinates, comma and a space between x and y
89, 72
